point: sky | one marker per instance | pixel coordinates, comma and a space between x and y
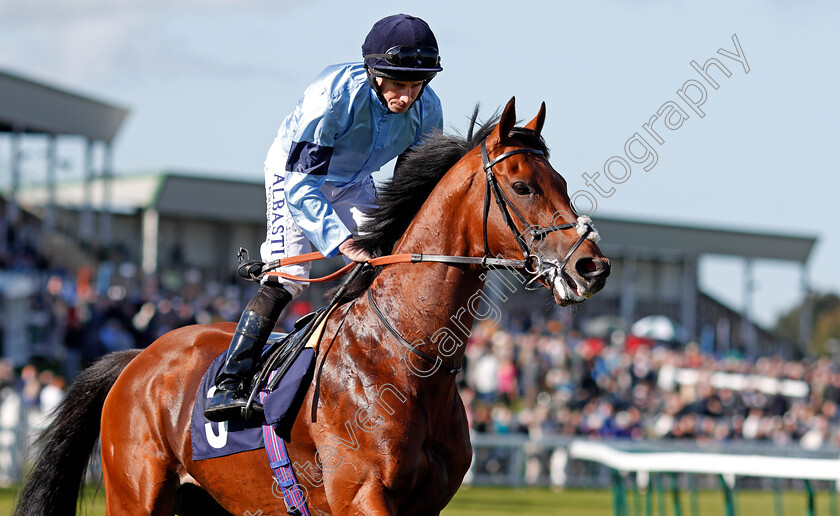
208, 83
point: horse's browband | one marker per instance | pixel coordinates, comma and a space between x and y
488, 165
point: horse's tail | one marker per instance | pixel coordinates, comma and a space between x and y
66, 444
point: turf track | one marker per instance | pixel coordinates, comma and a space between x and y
474, 501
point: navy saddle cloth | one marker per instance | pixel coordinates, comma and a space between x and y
211, 440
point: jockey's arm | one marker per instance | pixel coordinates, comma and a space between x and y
311, 210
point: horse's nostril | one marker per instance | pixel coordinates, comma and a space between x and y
592, 268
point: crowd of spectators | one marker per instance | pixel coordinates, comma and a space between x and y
547, 381
71, 319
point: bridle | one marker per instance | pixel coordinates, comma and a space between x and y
531, 262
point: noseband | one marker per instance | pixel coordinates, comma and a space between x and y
531, 263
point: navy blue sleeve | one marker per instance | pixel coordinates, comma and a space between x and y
309, 158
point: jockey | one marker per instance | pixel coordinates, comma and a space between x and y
352, 120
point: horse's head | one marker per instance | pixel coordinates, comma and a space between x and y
527, 211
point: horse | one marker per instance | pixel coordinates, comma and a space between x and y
382, 429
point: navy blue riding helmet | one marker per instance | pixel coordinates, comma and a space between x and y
401, 48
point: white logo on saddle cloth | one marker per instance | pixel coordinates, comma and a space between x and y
215, 440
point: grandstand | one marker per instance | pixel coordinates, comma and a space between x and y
34, 110
655, 271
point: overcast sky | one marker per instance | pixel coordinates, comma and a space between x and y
209, 81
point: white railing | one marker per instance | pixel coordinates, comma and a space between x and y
707, 463
635, 467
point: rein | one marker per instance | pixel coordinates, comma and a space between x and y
531, 263
488, 262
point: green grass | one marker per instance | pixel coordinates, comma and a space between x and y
92, 506
474, 501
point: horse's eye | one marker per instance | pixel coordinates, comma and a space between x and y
521, 188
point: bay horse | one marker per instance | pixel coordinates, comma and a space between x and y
382, 430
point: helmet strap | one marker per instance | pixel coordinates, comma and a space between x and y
375, 86
427, 81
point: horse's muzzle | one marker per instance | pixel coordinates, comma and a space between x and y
593, 272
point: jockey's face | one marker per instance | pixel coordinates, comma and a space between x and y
399, 95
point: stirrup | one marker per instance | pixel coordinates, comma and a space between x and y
230, 405
253, 411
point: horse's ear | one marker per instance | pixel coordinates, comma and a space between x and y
507, 120
536, 124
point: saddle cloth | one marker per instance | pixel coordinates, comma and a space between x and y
211, 439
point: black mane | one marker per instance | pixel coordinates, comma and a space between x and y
416, 174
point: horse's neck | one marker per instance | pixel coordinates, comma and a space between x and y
430, 303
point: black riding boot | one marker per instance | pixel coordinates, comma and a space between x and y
233, 382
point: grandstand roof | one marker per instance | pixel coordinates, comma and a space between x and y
35, 107
699, 240
180, 194
172, 194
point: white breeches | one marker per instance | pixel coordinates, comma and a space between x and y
284, 238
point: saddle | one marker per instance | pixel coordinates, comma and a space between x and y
279, 396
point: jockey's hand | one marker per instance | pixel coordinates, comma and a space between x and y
348, 248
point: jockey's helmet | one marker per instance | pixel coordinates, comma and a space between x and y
401, 48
